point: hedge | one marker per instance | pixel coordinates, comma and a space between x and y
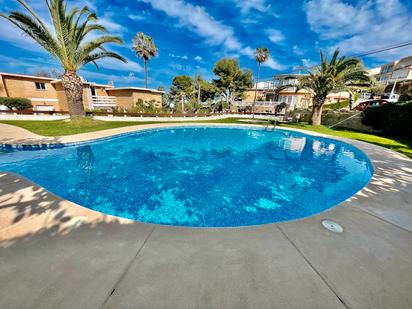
16, 103
394, 119
337, 105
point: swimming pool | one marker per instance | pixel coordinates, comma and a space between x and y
200, 176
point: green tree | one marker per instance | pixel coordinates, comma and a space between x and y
232, 82
338, 74
204, 90
208, 91
71, 40
182, 89
261, 55
145, 49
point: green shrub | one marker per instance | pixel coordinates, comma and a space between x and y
337, 105
394, 119
16, 103
406, 96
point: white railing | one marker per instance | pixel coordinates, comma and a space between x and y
103, 101
258, 103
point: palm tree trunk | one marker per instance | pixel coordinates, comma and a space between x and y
351, 100
254, 100
145, 74
198, 93
73, 88
316, 118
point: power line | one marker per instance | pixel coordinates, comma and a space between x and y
371, 52
382, 49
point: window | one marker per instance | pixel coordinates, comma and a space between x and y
40, 86
93, 90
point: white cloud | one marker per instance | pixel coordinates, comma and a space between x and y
118, 80
136, 17
274, 65
275, 35
197, 20
297, 50
308, 63
362, 27
28, 65
184, 57
248, 51
107, 20
198, 58
246, 6
141, 16
117, 65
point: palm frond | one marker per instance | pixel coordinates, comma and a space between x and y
70, 29
32, 12
96, 56
87, 48
35, 30
336, 75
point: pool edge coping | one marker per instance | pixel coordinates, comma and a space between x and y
365, 147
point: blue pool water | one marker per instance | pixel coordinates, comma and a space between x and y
208, 176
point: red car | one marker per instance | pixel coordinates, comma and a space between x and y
371, 103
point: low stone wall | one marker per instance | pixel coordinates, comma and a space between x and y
330, 118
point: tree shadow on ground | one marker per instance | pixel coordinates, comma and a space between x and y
27, 210
389, 193
56, 254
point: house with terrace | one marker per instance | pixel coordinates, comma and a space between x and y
47, 94
273, 92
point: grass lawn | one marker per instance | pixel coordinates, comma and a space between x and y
64, 127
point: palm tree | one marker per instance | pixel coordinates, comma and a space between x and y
145, 49
338, 74
66, 41
261, 55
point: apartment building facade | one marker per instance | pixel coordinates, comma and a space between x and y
47, 94
399, 71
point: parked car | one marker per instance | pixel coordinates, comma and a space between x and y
371, 103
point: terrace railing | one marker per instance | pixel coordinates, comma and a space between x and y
103, 101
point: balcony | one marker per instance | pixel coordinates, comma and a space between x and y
103, 101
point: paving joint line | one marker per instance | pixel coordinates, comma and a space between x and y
381, 219
342, 301
126, 270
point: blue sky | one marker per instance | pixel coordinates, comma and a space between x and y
192, 35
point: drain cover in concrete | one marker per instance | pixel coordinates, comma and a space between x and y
332, 226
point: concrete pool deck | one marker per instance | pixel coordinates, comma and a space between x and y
56, 254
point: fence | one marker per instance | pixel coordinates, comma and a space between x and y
121, 114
